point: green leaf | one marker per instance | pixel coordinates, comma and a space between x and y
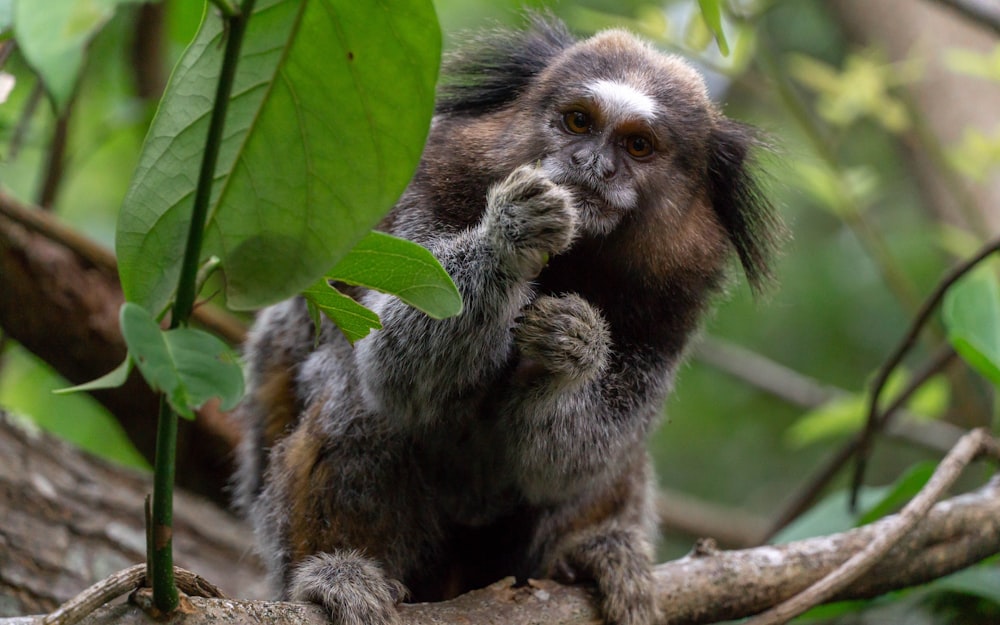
401, 268
330, 108
353, 319
847, 414
711, 12
902, 491
979, 581
829, 516
971, 313
834, 418
28, 386
53, 37
112, 379
188, 366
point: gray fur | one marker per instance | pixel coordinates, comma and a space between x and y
445, 454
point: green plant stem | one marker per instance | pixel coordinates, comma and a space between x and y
227, 8
162, 566
186, 288
165, 596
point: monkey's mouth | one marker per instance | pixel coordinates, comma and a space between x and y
595, 215
600, 205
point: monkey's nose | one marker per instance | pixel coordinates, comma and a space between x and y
604, 167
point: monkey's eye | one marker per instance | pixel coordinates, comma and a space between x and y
577, 122
638, 146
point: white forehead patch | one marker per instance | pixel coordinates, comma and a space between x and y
621, 100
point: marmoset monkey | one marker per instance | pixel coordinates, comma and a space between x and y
587, 198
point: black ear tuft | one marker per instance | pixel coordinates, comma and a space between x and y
750, 220
490, 69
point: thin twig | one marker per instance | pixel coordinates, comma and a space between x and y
909, 339
811, 491
983, 12
55, 161
803, 391
121, 583
6, 49
975, 443
729, 527
24, 120
764, 373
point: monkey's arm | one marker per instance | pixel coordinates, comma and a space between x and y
416, 364
577, 406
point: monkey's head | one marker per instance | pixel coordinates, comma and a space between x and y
631, 131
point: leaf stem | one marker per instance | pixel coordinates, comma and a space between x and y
227, 8
162, 566
165, 596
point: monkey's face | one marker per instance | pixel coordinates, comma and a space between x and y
624, 127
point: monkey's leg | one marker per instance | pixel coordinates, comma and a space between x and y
340, 519
617, 558
606, 536
415, 367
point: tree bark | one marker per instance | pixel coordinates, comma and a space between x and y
69, 520
60, 300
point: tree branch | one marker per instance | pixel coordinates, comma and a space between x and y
72, 515
983, 12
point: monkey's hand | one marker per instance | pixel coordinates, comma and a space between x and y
564, 336
528, 217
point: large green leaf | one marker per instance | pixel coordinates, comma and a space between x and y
401, 268
189, 366
971, 313
53, 35
326, 123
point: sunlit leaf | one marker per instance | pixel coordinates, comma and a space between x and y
29, 386
976, 155
53, 36
836, 417
353, 319
697, 34
189, 366
711, 12
401, 268
971, 313
846, 415
311, 159
985, 65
